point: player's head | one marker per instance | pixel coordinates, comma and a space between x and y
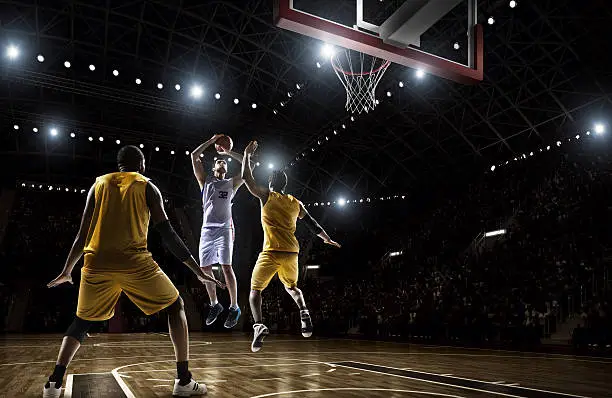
131, 158
220, 166
277, 181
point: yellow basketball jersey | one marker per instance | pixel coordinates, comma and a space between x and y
278, 219
117, 237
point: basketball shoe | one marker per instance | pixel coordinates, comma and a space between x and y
260, 331
214, 312
51, 391
306, 323
192, 389
232, 317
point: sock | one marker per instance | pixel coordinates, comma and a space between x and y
234, 307
58, 375
183, 373
213, 303
304, 312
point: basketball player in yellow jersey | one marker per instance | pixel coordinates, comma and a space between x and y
279, 214
113, 237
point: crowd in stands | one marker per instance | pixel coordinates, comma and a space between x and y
449, 282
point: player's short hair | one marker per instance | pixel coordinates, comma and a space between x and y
130, 157
278, 180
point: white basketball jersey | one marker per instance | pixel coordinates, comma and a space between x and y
217, 198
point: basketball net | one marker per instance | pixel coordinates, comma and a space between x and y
359, 76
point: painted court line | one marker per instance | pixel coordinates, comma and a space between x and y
331, 370
312, 374
160, 380
272, 378
272, 394
458, 382
68, 389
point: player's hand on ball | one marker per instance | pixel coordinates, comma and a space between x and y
332, 243
216, 137
251, 148
62, 278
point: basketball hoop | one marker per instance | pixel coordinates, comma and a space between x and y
360, 81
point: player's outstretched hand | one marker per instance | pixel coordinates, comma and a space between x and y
220, 284
332, 243
251, 148
62, 278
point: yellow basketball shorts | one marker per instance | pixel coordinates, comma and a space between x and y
270, 263
148, 287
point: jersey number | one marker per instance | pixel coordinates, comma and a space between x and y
223, 194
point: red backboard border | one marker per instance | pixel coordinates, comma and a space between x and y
286, 17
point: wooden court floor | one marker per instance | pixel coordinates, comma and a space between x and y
142, 365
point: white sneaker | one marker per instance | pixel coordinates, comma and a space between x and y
189, 390
306, 322
51, 391
260, 331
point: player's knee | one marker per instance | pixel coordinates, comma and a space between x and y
78, 329
177, 306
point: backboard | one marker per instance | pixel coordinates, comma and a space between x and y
440, 37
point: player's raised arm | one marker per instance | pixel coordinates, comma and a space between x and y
247, 174
79, 242
198, 168
238, 181
171, 239
314, 226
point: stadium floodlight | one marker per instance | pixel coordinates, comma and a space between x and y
115, 72
328, 50
495, 233
599, 128
12, 52
196, 91
40, 58
341, 201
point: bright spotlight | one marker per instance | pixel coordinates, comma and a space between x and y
177, 87
558, 143
420, 73
344, 126
236, 101
12, 52
118, 142
171, 152
72, 135
257, 164
548, 148
588, 133
141, 146
217, 96
187, 153
101, 139
401, 84
16, 127
577, 136
456, 46
196, 91
160, 86
254, 105
274, 111
327, 50
90, 139
318, 65
388, 93
67, 64
92, 67
352, 118
599, 128
229, 159
298, 86
512, 4
341, 201
492, 168
115, 72
491, 20
54, 132
138, 81
40, 58
270, 166
35, 129
156, 149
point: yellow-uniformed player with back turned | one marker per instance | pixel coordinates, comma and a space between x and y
113, 237
279, 214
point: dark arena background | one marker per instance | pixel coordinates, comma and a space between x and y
474, 219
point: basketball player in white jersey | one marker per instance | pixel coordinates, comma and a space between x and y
217, 236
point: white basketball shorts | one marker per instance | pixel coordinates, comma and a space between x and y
216, 246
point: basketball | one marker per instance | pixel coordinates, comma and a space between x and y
224, 144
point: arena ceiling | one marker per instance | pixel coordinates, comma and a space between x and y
547, 75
